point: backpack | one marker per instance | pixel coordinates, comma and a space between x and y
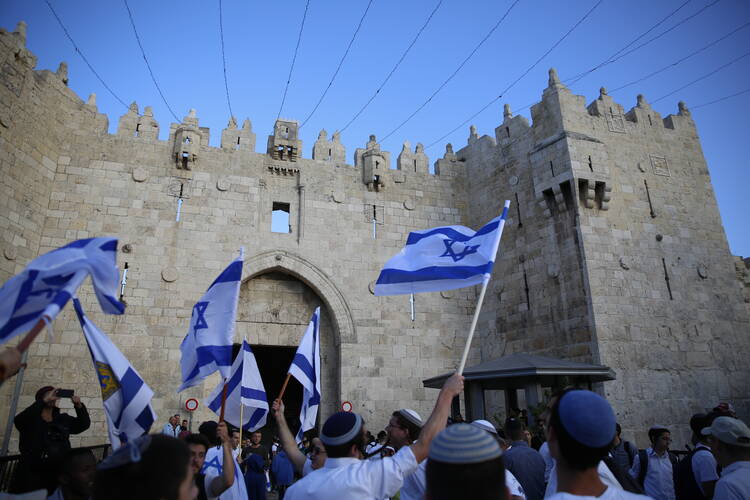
685, 485
626, 480
630, 451
643, 463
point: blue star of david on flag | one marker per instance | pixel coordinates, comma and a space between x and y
443, 258
306, 368
49, 281
450, 252
207, 347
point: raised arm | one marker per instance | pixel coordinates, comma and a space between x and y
285, 435
225, 481
439, 417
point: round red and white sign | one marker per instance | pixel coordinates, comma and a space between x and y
191, 404
347, 406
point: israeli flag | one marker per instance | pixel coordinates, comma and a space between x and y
49, 281
443, 258
127, 398
207, 347
244, 387
306, 368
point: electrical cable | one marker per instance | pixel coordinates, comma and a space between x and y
442, 85
67, 34
403, 56
683, 59
224, 60
721, 99
341, 63
294, 59
554, 45
148, 65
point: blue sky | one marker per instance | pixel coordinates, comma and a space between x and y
182, 43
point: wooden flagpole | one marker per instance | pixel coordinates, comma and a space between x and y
223, 401
29, 338
283, 387
242, 407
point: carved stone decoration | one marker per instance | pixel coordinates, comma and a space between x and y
624, 264
169, 274
513, 180
702, 271
447, 294
140, 174
409, 204
338, 196
616, 123
660, 165
10, 252
659, 237
127, 248
223, 184
278, 257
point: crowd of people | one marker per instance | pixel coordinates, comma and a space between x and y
575, 450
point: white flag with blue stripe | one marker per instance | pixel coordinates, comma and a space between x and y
50, 280
244, 387
443, 258
306, 368
126, 397
207, 347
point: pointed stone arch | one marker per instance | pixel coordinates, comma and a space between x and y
312, 276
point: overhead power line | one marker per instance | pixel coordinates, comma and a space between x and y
528, 70
721, 99
224, 59
148, 65
455, 72
621, 54
294, 59
682, 59
78, 51
710, 73
341, 63
395, 67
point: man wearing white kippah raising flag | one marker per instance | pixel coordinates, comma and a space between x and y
126, 397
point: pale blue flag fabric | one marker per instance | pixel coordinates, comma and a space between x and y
207, 347
50, 280
126, 397
306, 368
443, 258
244, 387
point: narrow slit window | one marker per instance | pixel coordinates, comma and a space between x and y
280, 218
649, 121
591, 164
137, 129
507, 131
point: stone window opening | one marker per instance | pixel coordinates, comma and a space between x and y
518, 211
330, 154
507, 132
649, 120
552, 168
185, 158
415, 165
237, 147
137, 130
187, 140
280, 220
549, 198
567, 192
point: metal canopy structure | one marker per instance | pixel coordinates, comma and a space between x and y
520, 371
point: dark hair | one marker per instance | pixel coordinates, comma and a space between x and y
654, 434
342, 450
576, 455
482, 481
411, 429
198, 439
618, 429
381, 435
208, 429
41, 392
65, 463
158, 475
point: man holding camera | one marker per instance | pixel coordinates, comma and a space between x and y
44, 437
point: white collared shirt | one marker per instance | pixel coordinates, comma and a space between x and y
704, 466
609, 494
351, 478
734, 483
213, 466
605, 475
549, 462
659, 481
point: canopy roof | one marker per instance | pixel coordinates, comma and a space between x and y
518, 370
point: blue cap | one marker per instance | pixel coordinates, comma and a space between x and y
464, 444
340, 428
588, 418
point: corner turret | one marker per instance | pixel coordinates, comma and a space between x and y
374, 164
284, 144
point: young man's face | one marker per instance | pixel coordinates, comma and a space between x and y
662, 442
197, 457
235, 439
184, 424
318, 453
397, 436
80, 477
255, 438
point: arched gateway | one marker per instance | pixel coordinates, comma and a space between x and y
279, 292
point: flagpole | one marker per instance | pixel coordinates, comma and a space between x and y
473, 327
223, 401
29, 338
242, 407
283, 387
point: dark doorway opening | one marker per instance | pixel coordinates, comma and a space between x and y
273, 364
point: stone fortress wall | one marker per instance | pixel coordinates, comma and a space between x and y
580, 274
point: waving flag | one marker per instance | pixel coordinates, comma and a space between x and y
49, 281
306, 368
442, 258
243, 387
207, 347
127, 398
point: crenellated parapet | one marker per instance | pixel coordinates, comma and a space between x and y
331, 151
236, 139
413, 161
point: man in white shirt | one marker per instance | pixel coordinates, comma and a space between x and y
730, 443
657, 479
302, 464
346, 476
171, 428
219, 463
580, 432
